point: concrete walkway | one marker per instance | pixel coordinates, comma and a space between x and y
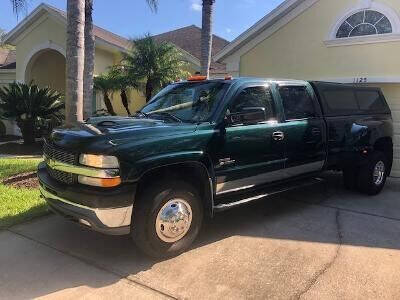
322, 242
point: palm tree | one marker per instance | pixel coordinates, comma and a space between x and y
77, 13
122, 82
105, 83
89, 61
75, 61
30, 106
158, 64
206, 36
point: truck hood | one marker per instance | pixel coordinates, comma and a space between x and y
102, 133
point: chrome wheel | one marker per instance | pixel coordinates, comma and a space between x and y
173, 220
379, 173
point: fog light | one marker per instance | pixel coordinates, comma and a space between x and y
101, 182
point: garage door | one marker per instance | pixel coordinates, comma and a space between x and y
392, 95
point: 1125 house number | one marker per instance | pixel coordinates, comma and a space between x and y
360, 80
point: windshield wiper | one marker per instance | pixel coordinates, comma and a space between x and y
167, 114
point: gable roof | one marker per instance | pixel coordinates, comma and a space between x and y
100, 34
278, 17
7, 59
189, 39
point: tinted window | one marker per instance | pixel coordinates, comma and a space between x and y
254, 97
369, 100
341, 100
297, 102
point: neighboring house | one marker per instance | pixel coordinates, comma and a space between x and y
188, 40
40, 43
349, 41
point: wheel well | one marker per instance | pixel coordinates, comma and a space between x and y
194, 173
385, 145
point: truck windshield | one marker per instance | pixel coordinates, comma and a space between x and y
188, 102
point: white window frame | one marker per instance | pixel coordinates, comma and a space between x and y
390, 13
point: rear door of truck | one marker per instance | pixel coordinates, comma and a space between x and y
304, 128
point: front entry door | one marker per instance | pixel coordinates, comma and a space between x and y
250, 154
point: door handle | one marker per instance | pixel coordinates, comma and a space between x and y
316, 131
278, 136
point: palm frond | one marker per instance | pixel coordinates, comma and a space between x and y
153, 4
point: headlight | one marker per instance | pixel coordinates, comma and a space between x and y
99, 161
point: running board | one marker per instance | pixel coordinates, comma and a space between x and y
265, 192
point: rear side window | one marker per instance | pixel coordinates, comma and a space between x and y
341, 100
370, 100
297, 102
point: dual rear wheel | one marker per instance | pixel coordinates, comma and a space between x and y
371, 177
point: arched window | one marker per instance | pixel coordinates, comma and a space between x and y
365, 22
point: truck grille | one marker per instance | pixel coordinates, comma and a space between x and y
61, 156
58, 154
61, 176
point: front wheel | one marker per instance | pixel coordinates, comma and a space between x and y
167, 219
372, 176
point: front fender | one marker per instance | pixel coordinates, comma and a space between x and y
161, 160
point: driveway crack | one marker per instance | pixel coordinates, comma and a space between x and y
329, 264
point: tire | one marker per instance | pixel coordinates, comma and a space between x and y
145, 219
350, 178
367, 182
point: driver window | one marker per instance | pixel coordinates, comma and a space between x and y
259, 96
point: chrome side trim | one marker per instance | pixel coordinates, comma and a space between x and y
81, 170
111, 217
226, 206
249, 182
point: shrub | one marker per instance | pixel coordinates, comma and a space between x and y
31, 107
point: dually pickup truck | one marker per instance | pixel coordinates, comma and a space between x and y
203, 146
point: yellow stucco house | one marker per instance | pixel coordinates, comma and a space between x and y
349, 41
40, 46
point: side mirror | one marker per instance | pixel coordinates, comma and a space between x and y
248, 116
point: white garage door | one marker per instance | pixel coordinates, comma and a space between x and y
392, 95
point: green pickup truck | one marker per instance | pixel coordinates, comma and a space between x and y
203, 146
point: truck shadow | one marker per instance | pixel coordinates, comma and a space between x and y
326, 214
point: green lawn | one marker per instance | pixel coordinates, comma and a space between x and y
18, 205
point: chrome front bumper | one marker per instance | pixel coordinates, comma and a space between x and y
114, 221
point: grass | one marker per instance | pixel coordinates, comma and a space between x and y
13, 166
17, 204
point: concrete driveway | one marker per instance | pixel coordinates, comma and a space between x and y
319, 242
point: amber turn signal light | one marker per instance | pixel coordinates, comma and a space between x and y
101, 182
197, 78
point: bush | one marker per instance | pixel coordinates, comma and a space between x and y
36, 110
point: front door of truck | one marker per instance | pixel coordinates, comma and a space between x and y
304, 129
250, 154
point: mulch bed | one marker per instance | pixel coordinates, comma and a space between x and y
13, 148
24, 180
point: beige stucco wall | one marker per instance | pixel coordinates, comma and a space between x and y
48, 70
298, 51
6, 77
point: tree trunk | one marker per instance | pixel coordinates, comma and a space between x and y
206, 36
28, 131
149, 90
108, 104
124, 99
89, 61
75, 61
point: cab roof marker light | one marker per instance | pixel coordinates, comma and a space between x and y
197, 78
